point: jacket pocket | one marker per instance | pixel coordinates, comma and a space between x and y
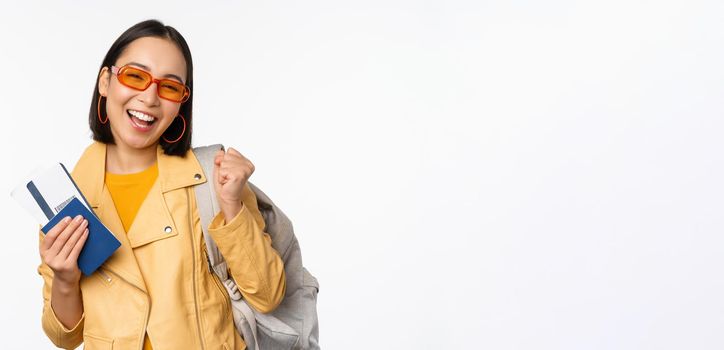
224, 294
104, 276
92, 342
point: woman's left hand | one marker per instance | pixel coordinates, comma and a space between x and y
231, 172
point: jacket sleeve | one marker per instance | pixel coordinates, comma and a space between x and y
56, 332
254, 264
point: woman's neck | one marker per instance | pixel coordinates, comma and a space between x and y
121, 159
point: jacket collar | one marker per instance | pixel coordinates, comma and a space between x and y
173, 171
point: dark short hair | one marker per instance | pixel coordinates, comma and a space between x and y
148, 28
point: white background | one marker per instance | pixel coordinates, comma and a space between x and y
461, 174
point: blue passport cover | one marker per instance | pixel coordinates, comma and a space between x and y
99, 245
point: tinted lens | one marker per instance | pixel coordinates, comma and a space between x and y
134, 78
171, 90
140, 80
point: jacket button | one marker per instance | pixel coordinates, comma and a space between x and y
197, 176
168, 229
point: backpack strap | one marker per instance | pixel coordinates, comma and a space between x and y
208, 206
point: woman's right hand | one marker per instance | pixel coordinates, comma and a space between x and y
61, 246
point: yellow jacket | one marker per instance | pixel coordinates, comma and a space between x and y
159, 281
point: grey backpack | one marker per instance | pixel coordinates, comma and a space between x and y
293, 324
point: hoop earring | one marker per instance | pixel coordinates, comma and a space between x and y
182, 132
99, 111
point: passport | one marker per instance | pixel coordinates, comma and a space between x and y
99, 245
50, 195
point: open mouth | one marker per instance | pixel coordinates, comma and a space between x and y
140, 119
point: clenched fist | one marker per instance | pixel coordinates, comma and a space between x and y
231, 172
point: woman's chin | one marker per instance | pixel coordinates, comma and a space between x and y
139, 142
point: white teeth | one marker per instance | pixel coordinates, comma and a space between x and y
142, 116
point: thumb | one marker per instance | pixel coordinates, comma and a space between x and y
218, 157
217, 165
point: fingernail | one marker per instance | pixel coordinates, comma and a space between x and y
77, 218
66, 219
85, 222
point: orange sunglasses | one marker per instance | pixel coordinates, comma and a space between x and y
139, 79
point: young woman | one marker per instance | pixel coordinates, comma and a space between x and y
156, 291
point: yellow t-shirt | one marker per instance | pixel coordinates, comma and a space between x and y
128, 192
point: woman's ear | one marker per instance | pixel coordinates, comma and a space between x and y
104, 79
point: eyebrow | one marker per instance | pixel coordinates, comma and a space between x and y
174, 76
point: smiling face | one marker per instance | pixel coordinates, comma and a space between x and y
139, 118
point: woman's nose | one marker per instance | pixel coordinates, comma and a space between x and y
149, 96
